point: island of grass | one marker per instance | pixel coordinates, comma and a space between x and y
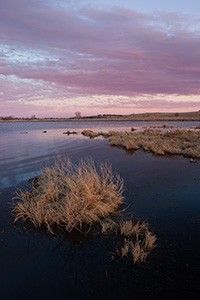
158, 141
78, 197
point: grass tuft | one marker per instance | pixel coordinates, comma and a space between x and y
138, 241
71, 196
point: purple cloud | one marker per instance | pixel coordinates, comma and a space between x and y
56, 53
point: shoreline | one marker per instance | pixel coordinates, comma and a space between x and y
144, 117
101, 120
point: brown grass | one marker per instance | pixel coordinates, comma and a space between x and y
71, 196
138, 241
108, 227
68, 132
175, 142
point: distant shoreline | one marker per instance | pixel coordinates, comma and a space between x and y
98, 120
164, 117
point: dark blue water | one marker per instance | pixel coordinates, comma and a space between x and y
163, 191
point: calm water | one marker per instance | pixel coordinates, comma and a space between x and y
163, 191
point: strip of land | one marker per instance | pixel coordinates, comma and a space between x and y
158, 141
186, 116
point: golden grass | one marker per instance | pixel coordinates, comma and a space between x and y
128, 228
71, 195
138, 241
89, 133
108, 227
176, 142
68, 132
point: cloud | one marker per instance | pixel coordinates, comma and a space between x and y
55, 52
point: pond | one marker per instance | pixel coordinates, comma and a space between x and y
163, 191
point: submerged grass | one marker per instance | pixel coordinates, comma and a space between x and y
71, 196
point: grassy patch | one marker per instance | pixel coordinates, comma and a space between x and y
78, 196
176, 142
71, 196
137, 240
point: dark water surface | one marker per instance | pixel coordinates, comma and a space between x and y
163, 191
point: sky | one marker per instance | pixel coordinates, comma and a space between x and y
99, 57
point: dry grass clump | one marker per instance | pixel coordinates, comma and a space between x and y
93, 134
178, 142
133, 250
128, 228
68, 132
71, 196
89, 133
138, 241
108, 227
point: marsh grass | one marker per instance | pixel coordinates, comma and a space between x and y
109, 227
80, 196
71, 196
175, 142
178, 142
137, 240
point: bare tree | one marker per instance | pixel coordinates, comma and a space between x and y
78, 114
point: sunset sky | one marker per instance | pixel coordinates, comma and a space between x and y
98, 57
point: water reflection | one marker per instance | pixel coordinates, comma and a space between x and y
22, 155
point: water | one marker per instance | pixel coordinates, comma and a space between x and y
22, 155
164, 191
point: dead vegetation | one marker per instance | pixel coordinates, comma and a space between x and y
78, 196
68, 132
137, 242
71, 196
175, 142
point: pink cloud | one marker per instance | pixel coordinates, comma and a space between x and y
90, 52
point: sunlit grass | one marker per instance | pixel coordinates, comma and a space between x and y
71, 195
162, 142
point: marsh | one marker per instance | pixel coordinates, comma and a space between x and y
162, 191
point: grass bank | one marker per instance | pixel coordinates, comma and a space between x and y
176, 142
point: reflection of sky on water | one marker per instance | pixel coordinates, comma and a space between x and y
22, 155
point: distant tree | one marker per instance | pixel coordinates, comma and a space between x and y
33, 117
78, 114
9, 118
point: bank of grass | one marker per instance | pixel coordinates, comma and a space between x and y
176, 142
71, 196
